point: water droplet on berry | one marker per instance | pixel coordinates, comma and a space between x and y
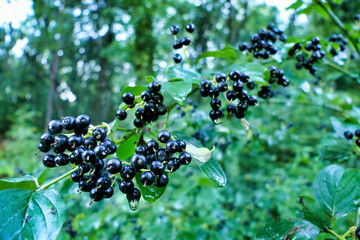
134, 205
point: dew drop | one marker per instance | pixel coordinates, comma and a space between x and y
134, 205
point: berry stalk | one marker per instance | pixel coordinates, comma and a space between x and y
46, 186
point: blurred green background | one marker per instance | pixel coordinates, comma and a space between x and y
60, 58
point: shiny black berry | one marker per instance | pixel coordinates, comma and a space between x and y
55, 127
190, 27
47, 139
89, 143
348, 135
234, 75
173, 164
121, 114
185, 158
177, 58
109, 192
44, 148
186, 41
134, 195
147, 178
162, 155
82, 121
162, 181
152, 146
99, 134
154, 87
127, 173
222, 86
68, 123
220, 77
138, 161
157, 167
101, 151
164, 136
113, 166
357, 133
89, 156
62, 159
174, 29
171, 147
141, 150
126, 187
181, 145
49, 161
177, 44
128, 98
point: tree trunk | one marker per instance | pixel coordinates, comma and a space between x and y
52, 89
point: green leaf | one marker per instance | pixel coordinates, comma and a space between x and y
127, 148
306, 10
338, 127
257, 72
226, 52
288, 229
149, 193
136, 90
312, 212
25, 182
295, 5
38, 215
179, 83
336, 151
149, 79
335, 190
202, 157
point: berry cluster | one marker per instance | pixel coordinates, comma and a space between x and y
184, 42
262, 43
152, 159
88, 151
337, 38
314, 51
151, 102
238, 98
276, 75
349, 135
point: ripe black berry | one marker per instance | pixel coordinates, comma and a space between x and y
44, 148
99, 134
164, 136
215, 103
127, 173
357, 133
146, 96
147, 178
177, 58
171, 146
152, 146
214, 92
49, 161
161, 109
162, 155
109, 192
103, 183
126, 187
55, 127
96, 194
47, 139
252, 100
231, 108
357, 141
231, 95
174, 29
177, 44
234, 75
157, 167
138, 161
154, 87
89, 156
128, 98
141, 150
158, 98
242, 46
74, 141
185, 158
62, 159
238, 86
121, 114
101, 151
181, 145
138, 123
89, 143
348, 135
76, 176
113, 166
190, 27
222, 86
186, 41
162, 181
205, 84
220, 77
173, 164
82, 121
68, 123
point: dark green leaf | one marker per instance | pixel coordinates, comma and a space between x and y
226, 52
136, 90
26, 182
306, 10
257, 72
38, 215
295, 5
127, 148
335, 190
312, 212
179, 82
13, 207
149, 193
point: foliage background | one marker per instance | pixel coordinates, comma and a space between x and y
90, 50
